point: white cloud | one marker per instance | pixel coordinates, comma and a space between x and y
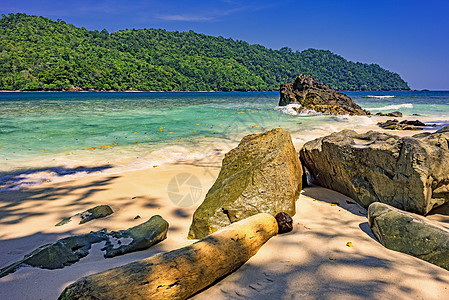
185, 17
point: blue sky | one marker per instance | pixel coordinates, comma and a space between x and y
407, 37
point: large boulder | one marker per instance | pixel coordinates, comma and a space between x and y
263, 174
410, 173
312, 95
409, 233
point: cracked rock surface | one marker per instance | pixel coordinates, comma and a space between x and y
409, 173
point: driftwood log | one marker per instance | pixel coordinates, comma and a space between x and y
180, 273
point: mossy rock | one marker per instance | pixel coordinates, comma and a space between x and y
263, 174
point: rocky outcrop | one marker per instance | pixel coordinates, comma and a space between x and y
410, 173
263, 174
396, 114
409, 233
402, 125
312, 95
70, 250
180, 273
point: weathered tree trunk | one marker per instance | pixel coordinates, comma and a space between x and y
180, 273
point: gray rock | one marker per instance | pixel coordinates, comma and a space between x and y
396, 114
263, 174
409, 233
312, 95
410, 173
70, 250
402, 125
96, 212
136, 238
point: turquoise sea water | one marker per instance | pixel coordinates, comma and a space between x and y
67, 133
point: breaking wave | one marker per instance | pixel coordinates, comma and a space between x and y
380, 97
397, 106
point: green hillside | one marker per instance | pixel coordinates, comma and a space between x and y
37, 53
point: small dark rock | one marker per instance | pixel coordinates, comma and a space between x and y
96, 212
64, 221
285, 222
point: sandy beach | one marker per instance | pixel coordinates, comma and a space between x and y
311, 262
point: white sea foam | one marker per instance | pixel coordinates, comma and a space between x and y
170, 154
289, 109
380, 97
342, 118
292, 109
397, 106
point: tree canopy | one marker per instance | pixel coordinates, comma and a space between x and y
37, 53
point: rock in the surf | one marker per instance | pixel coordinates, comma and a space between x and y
410, 173
409, 233
263, 174
312, 95
401, 125
395, 114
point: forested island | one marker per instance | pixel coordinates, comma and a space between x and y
37, 53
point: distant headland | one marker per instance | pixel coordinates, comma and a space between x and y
42, 54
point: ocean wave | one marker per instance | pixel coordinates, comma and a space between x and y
397, 106
379, 97
290, 110
22, 179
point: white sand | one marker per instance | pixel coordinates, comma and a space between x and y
290, 266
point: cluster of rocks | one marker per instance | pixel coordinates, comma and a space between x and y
404, 175
70, 250
395, 114
401, 175
312, 95
394, 177
402, 125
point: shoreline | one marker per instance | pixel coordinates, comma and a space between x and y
188, 91
76, 164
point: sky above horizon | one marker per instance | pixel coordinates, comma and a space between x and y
407, 37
